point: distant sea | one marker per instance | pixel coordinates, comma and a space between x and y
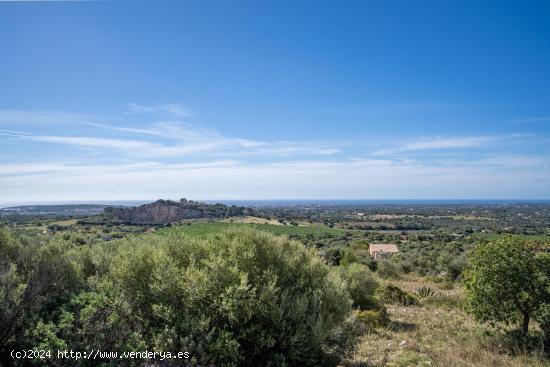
252, 203
99, 202
256, 203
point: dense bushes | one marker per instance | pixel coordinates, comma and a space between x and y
243, 297
33, 278
239, 298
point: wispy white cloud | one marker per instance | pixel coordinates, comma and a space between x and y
176, 138
175, 109
446, 143
12, 132
190, 138
93, 142
436, 143
126, 129
363, 178
49, 168
173, 158
181, 139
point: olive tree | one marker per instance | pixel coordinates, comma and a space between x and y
506, 282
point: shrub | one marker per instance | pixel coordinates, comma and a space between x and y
332, 255
240, 298
373, 319
388, 269
343, 339
348, 258
361, 284
456, 267
395, 295
34, 278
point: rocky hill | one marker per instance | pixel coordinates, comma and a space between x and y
167, 211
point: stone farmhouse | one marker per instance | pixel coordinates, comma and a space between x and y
382, 250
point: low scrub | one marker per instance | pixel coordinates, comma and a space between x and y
444, 300
392, 294
373, 319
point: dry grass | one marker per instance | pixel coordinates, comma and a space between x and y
438, 333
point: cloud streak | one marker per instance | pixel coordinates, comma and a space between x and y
174, 109
438, 143
93, 142
162, 155
365, 178
181, 139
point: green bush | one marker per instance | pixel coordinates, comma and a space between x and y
348, 258
389, 269
239, 298
361, 284
344, 338
373, 319
395, 295
33, 277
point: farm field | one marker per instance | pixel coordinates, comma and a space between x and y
204, 229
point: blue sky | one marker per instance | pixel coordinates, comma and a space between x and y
114, 100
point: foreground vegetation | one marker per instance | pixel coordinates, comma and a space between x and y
438, 332
239, 298
252, 291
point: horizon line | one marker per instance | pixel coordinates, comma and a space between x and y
297, 201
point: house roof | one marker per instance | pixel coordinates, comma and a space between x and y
383, 247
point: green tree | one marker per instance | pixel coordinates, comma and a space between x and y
506, 282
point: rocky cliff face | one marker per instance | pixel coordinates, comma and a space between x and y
166, 211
